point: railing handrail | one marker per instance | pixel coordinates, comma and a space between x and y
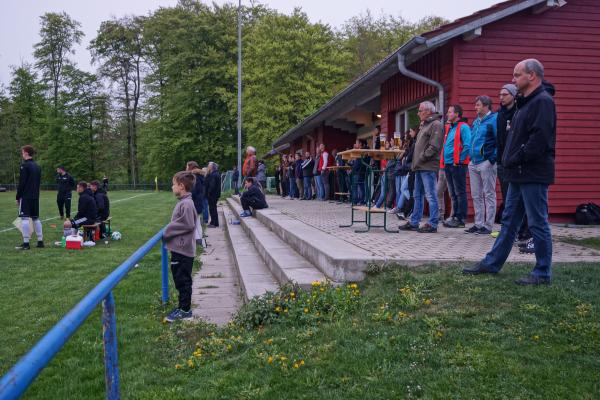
20, 376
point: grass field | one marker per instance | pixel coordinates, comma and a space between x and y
421, 333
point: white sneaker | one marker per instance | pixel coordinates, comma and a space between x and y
393, 210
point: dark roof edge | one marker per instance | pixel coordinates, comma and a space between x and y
417, 44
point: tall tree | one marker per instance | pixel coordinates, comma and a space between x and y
118, 50
367, 39
291, 68
58, 33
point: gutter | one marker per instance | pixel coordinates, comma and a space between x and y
415, 42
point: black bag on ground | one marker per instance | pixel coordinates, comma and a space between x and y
587, 214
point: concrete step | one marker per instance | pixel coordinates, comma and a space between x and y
339, 260
254, 276
286, 265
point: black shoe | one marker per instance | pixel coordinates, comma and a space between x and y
427, 229
483, 231
212, 226
454, 223
408, 227
40, 244
24, 246
524, 243
472, 229
529, 248
532, 280
478, 269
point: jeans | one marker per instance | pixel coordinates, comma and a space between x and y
320, 188
402, 192
382, 192
522, 199
325, 183
483, 190
456, 176
293, 188
425, 182
205, 209
307, 187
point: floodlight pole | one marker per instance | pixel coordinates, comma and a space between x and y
239, 104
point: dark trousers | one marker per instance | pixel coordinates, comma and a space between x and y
181, 268
235, 185
64, 200
248, 204
456, 176
212, 209
529, 199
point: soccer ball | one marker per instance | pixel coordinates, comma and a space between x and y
116, 235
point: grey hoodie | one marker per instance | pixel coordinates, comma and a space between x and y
179, 234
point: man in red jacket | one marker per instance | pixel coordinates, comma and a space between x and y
323, 173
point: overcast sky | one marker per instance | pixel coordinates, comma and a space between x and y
19, 19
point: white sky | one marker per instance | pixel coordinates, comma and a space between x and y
19, 19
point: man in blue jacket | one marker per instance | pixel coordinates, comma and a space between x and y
528, 162
455, 161
482, 168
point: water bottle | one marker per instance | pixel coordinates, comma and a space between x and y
63, 242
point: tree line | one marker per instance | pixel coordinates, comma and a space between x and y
165, 87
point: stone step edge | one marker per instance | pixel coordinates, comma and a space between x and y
269, 285
337, 268
281, 274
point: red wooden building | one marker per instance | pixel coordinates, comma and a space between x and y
476, 55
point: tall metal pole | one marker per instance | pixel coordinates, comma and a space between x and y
239, 105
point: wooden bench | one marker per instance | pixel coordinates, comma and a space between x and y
372, 210
89, 231
107, 223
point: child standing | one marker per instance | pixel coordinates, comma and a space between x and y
179, 239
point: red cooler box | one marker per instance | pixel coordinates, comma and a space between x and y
74, 242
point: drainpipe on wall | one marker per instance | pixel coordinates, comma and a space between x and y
419, 40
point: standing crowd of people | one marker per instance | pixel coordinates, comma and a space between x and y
515, 145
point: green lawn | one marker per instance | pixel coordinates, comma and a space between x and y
592, 242
421, 333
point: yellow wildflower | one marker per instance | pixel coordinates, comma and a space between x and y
301, 362
178, 366
427, 302
353, 286
316, 283
269, 341
277, 309
536, 337
296, 365
190, 363
305, 310
270, 360
439, 334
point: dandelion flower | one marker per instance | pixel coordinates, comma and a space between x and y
277, 309
305, 310
536, 337
270, 360
296, 365
427, 301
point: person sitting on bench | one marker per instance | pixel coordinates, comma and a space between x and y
253, 198
86, 209
103, 205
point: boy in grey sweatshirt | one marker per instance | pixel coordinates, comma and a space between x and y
179, 239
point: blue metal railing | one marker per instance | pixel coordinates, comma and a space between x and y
22, 374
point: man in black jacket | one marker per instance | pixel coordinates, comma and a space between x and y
253, 198
508, 95
307, 175
65, 183
28, 197
528, 162
102, 204
87, 211
213, 192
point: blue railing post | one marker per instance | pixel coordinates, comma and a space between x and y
111, 358
164, 259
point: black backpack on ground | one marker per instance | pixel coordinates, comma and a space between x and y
587, 214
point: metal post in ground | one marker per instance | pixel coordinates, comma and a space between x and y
109, 337
164, 260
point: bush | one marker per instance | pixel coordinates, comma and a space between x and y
295, 306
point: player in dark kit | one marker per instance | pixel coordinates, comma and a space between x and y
66, 183
28, 197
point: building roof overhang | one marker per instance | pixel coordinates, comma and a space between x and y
367, 86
